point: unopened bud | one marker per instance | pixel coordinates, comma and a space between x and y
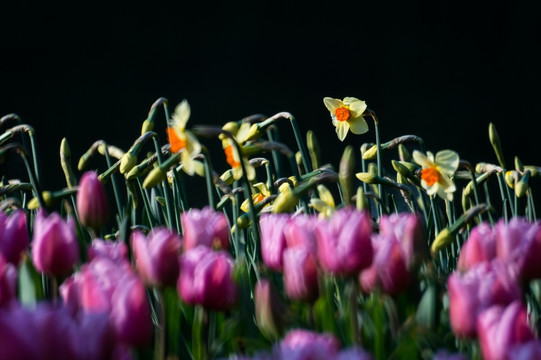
127, 162
403, 153
371, 153
227, 177
147, 126
522, 185
154, 177
65, 162
518, 165
496, 145
444, 238
367, 177
361, 201
511, 178
33, 204
285, 202
313, 148
345, 173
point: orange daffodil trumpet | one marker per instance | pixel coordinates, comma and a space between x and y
181, 139
437, 172
347, 115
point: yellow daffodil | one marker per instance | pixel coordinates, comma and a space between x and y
232, 156
347, 115
182, 140
262, 192
437, 171
325, 204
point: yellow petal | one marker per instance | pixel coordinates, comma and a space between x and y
319, 205
242, 133
422, 159
358, 125
187, 163
181, 115
342, 128
332, 104
325, 195
447, 161
356, 107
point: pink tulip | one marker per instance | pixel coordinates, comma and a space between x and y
273, 240
530, 350
156, 256
388, 271
92, 205
299, 230
8, 282
470, 293
480, 247
114, 250
500, 328
343, 242
300, 344
206, 278
205, 227
54, 246
13, 236
446, 355
300, 273
408, 230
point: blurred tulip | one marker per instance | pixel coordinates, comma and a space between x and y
388, 270
92, 205
300, 344
446, 355
299, 230
13, 236
343, 242
408, 230
205, 227
500, 328
54, 246
480, 247
354, 353
270, 310
273, 240
206, 278
474, 291
300, 273
530, 350
114, 250
8, 282
156, 256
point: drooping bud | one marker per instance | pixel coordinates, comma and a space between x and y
522, 185
92, 205
154, 177
345, 174
65, 162
148, 125
127, 162
496, 145
313, 148
403, 153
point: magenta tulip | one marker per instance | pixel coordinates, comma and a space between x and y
299, 230
205, 227
8, 282
483, 286
300, 344
530, 350
343, 242
273, 240
500, 328
13, 236
408, 230
54, 246
114, 250
480, 247
206, 279
92, 205
300, 274
156, 256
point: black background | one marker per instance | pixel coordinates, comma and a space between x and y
438, 69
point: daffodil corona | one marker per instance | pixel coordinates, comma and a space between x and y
437, 171
347, 115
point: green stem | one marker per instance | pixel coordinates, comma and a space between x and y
208, 178
113, 179
159, 349
380, 168
198, 344
302, 147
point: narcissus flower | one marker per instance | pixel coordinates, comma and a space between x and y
437, 171
347, 115
182, 140
232, 156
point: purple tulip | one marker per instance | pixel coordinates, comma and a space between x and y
343, 242
300, 344
54, 246
13, 236
354, 353
114, 250
408, 230
206, 278
92, 205
530, 350
446, 355
299, 230
156, 256
205, 227
470, 293
389, 269
500, 328
8, 282
300, 273
480, 247
273, 240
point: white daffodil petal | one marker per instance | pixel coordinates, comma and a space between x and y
358, 125
182, 114
342, 128
319, 205
192, 143
422, 159
325, 195
447, 161
332, 104
199, 168
242, 133
263, 189
188, 163
357, 108
349, 99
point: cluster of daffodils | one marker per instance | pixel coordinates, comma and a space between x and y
284, 257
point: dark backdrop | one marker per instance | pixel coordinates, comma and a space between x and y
438, 69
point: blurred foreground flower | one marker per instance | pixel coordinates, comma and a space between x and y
13, 236
347, 115
92, 205
8, 282
299, 344
437, 171
205, 227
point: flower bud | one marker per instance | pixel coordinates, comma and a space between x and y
92, 205
147, 126
154, 177
522, 185
156, 256
496, 145
285, 202
54, 245
371, 153
313, 148
127, 162
8, 282
13, 236
345, 174
444, 238
403, 153
65, 162
33, 204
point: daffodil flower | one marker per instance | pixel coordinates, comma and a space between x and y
437, 171
181, 139
257, 197
347, 115
232, 156
325, 204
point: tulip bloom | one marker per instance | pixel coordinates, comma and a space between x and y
206, 278
343, 242
13, 236
480, 247
300, 274
530, 350
92, 205
500, 328
299, 231
156, 256
54, 246
273, 241
301, 344
114, 250
8, 282
408, 230
474, 291
205, 227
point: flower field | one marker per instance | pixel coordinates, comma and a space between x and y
395, 252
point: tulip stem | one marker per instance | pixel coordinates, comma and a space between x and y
198, 348
160, 329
